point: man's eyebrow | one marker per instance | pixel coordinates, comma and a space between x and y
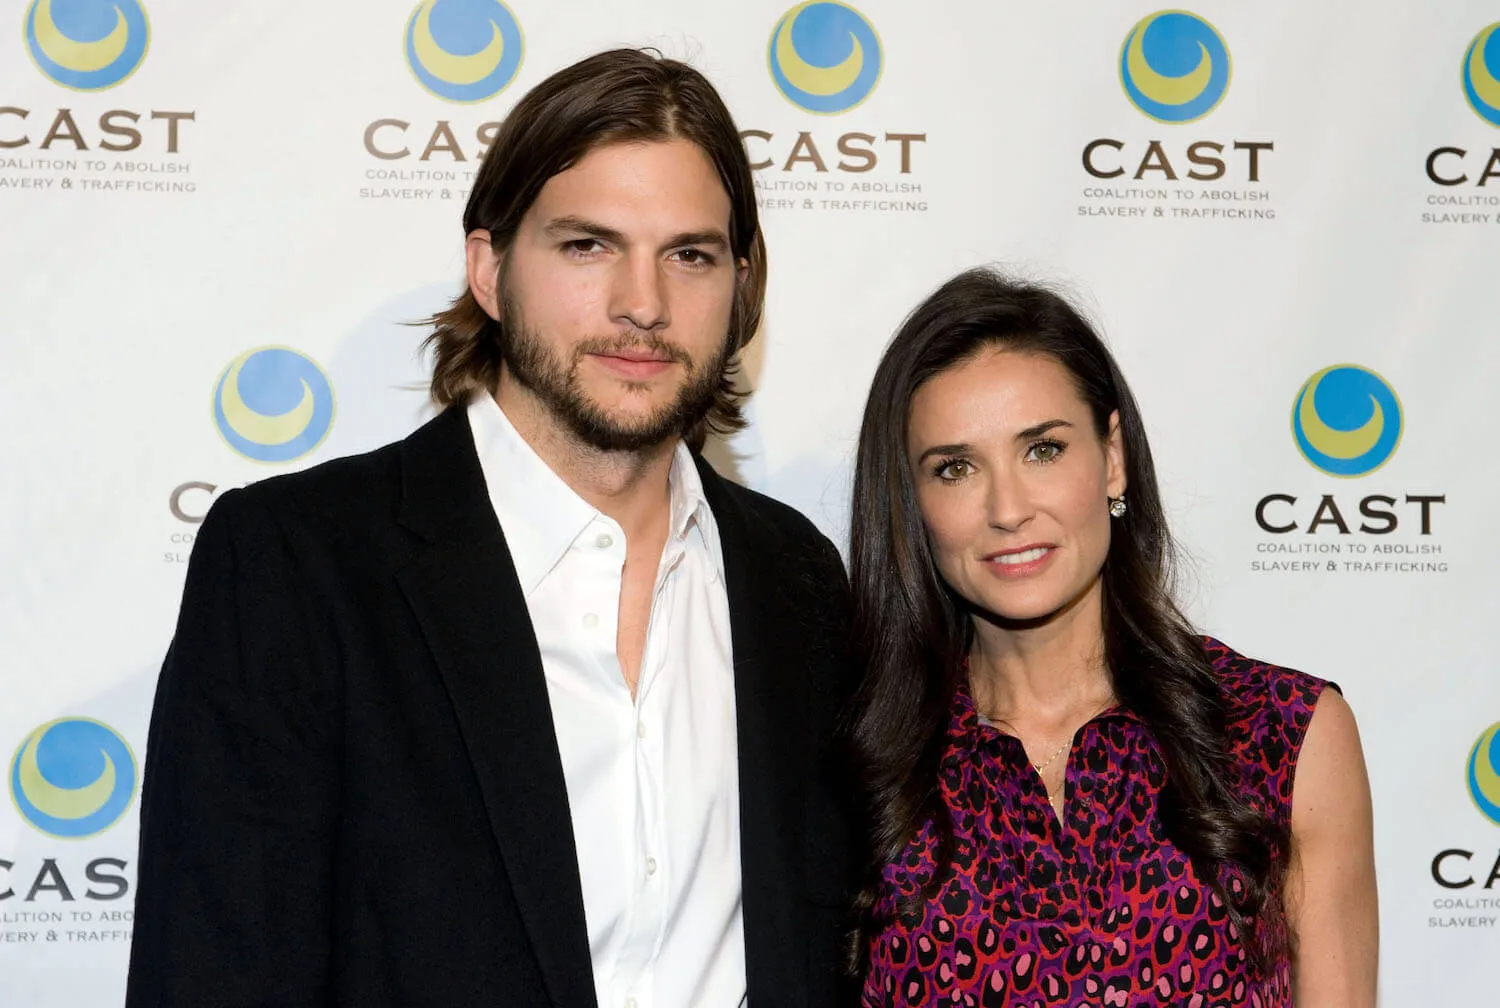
712, 237
582, 226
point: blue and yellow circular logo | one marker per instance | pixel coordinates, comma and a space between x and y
273, 404
1347, 420
73, 778
1482, 74
1484, 773
1174, 66
825, 57
87, 45
464, 50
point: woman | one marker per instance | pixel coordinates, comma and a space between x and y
1076, 799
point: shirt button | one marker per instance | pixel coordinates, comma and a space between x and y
605, 541
630, 1003
640, 729
651, 866
590, 620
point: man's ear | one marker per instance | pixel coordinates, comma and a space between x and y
483, 268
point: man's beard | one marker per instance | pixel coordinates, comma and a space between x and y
555, 384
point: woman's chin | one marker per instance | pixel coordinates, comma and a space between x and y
1020, 610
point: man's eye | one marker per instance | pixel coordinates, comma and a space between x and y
695, 257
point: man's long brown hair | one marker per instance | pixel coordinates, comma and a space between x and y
620, 96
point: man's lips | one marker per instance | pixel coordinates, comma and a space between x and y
637, 356
635, 363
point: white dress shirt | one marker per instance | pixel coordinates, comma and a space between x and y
653, 785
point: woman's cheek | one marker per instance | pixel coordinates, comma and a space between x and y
949, 545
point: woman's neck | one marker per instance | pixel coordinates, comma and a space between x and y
1044, 675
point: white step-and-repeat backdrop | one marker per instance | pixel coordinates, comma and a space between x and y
217, 219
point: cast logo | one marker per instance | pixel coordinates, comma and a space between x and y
73, 778
1483, 774
464, 51
1174, 67
1451, 165
273, 404
1481, 70
825, 57
1347, 420
87, 45
1454, 868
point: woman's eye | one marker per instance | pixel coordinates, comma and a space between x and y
955, 469
1044, 451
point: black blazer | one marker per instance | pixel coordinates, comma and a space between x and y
353, 793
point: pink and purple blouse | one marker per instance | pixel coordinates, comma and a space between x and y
1099, 909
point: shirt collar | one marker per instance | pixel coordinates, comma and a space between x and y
542, 516
966, 729
690, 511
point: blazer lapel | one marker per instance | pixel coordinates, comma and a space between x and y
463, 588
770, 700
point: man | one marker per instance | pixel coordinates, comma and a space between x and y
530, 708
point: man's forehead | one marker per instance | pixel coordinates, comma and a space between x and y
637, 168
662, 193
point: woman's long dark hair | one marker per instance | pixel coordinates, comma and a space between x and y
912, 633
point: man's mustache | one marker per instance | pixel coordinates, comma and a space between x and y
634, 344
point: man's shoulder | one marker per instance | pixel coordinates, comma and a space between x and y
769, 521
362, 490
350, 488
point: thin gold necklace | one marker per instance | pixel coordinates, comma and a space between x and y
1039, 767
1067, 742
